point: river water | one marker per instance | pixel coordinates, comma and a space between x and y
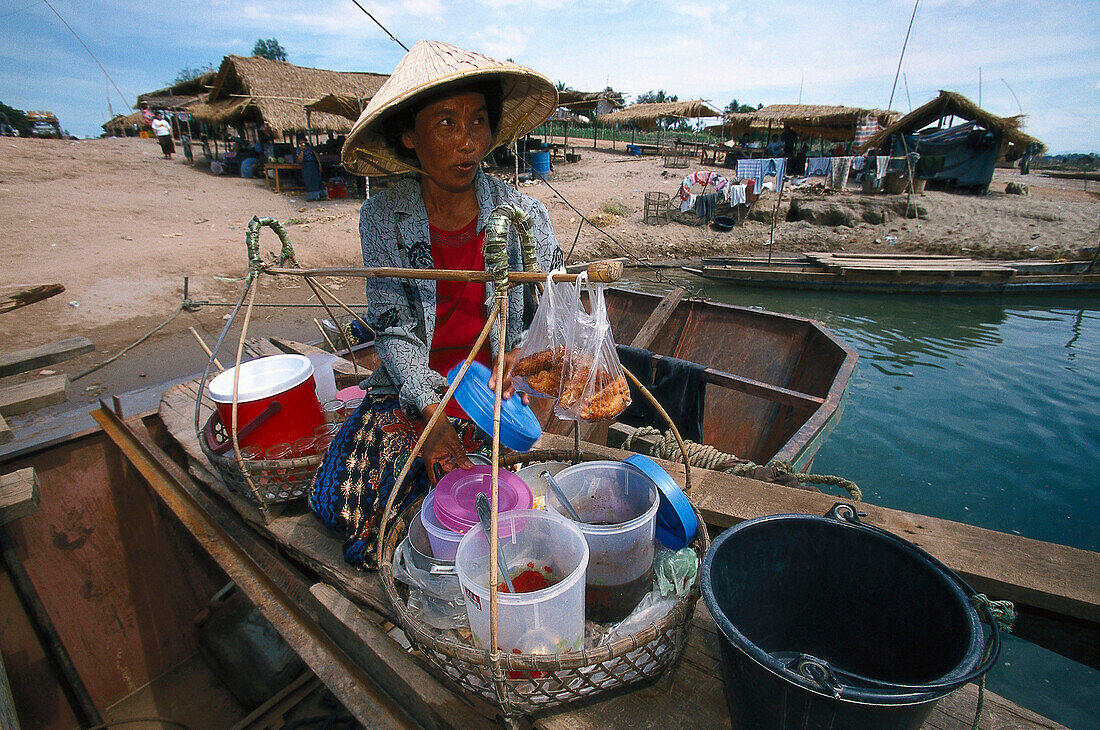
981, 409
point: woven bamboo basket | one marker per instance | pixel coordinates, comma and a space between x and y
276, 480
522, 684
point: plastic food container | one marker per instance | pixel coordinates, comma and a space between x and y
531, 475
444, 542
277, 392
519, 428
421, 554
618, 505
456, 495
546, 621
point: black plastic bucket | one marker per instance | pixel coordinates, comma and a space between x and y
827, 622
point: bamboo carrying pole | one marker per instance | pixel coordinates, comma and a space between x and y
604, 272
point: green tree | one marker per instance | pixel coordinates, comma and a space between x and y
191, 72
17, 119
270, 49
655, 97
733, 107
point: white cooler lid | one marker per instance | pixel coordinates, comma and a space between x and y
262, 378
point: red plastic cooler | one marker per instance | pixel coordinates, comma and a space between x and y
278, 389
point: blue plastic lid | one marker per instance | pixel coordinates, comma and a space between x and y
676, 520
519, 428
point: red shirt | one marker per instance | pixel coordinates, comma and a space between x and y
460, 312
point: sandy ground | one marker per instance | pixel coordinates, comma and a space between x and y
121, 227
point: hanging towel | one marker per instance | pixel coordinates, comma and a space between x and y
838, 174
774, 166
688, 203
737, 195
818, 166
677, 385
704, 206
880, 166
751, 169
640, 363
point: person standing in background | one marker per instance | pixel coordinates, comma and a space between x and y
306, 156
163, 130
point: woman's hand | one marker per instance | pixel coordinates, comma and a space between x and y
510, 358
442, 446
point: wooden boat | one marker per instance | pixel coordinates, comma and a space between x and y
775, 383
134, 534
893, 273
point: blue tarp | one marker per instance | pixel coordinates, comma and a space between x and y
961, 156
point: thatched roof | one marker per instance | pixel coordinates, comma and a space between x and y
178, 95
122, 122
646, 115
812, 121
343, 105
948, 103
587, 102
276, 92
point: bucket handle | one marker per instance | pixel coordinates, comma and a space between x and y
215, 417
825, 676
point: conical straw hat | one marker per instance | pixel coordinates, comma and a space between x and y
528, 99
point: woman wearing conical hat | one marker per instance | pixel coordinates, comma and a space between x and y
438, 116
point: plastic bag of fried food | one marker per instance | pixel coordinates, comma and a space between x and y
593, 386
538, 367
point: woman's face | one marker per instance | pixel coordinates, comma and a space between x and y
450, 137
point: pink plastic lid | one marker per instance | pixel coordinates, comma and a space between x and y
456, 495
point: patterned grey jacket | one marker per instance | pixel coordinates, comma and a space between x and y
393, 227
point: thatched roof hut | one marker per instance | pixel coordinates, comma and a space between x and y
646, 116
949, 104
178, 96
255, 89
342, 105
809, 121
122, 125
590, 103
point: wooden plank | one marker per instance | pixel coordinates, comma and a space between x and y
18, 494
403, 678
120, 579
15, 299
657, 319
758, 388
36, 357
6, 434
26, 397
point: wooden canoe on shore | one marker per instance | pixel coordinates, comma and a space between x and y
902, 273
135, 533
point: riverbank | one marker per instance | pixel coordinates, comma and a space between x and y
120, 228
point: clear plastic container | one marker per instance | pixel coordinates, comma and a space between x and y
545, 621
617, 504
444, 542
532, 477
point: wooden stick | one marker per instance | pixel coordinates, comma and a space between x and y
324, 334
664, 413
252, 287
205, 348
494, 504
431, 424
605, 272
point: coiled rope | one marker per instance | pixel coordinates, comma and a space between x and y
706, 456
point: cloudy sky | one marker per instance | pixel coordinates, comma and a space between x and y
1035, 57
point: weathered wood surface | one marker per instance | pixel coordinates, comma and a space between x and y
693, 688
8, 718
35, 357
119, 578
6, 434
18, 494
34, 394
10, 300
